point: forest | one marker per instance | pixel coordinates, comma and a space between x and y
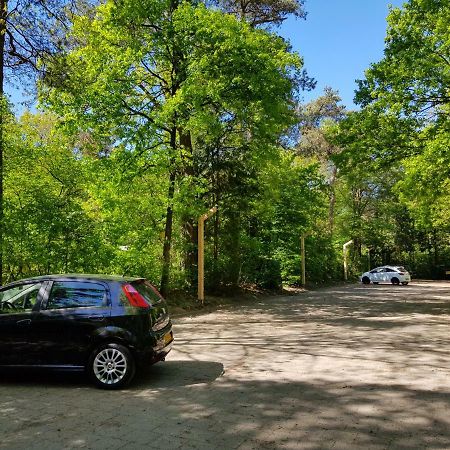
151, 112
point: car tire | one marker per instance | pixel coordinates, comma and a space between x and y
404, 283
395, 281
111, 366
365, 280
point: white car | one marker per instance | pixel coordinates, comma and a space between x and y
387, 274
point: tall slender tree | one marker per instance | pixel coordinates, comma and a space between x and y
315, 118
30, 31
3, 14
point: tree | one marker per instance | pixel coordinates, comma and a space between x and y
261, 13
299, 206
371, 148
410, 86
386, 200
47, 224
175, 74
414, 76
425, 187
316, 118
30, 30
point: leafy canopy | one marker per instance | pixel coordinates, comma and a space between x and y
414, 75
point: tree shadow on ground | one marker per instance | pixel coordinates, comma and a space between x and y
342, 368
329, 324
380, 307
235, 414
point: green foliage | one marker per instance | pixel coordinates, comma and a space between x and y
47, 227
124, 70
414, 75
318, 120
403, 130
425, 187
291, 200
161, 110
262, 12
202, 97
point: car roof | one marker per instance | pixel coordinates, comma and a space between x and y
77, 276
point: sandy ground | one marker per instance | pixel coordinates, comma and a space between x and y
351, 367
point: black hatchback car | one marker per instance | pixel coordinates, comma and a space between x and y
106, 325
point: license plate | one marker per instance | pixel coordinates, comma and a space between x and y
168, 338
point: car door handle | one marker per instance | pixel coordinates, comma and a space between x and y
97, 318
24, 322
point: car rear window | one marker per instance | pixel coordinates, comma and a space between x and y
148, 291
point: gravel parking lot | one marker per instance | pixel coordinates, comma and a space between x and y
349, 367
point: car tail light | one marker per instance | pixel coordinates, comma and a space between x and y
134, 297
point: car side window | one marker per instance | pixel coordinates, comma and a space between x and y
75, 294
21, 298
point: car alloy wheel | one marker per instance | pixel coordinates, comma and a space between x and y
111, 366
366, 280
395, 281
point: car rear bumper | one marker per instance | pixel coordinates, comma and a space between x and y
157, 348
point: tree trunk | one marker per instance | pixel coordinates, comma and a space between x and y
216, 237
3, 13
235, 248
190, 233
332, 199
190, 227
165, 277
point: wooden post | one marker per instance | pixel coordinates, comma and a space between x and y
303, 260
201, 259
344, 248
201, 253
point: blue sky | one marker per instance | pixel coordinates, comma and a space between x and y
338, 41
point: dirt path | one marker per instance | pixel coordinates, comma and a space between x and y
342, 368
